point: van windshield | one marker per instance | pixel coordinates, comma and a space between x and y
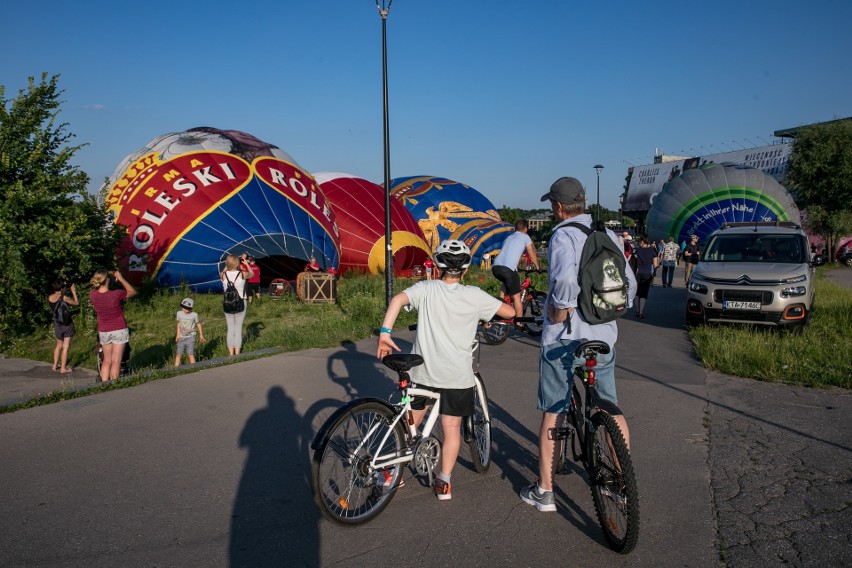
756, 248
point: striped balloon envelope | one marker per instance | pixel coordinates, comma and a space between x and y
447, 209
700, 200
189, 199
359, 207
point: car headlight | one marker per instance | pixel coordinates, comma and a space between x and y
794, 279
793, 291
697, 287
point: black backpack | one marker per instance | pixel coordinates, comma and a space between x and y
602, 277
232, 303
62, 313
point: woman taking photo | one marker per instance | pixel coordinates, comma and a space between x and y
112, 327
237, 274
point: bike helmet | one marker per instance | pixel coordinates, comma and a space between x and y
452, 256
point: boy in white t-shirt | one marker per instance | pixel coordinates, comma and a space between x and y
447, 316
187, 322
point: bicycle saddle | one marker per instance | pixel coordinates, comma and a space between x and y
595, 346
402, 363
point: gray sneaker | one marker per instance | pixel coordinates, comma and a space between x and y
544, 501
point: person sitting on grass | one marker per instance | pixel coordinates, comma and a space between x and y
187, 322
448, 314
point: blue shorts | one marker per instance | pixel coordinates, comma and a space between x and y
556, 373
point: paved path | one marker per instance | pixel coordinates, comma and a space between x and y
212, 469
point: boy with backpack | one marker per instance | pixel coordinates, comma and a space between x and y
447, 316
589, 287
187, 322
63, 325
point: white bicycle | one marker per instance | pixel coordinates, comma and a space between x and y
361, 450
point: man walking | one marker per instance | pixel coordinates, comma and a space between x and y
564, 328
505, 267
691, 254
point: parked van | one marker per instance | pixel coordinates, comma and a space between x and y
755, 273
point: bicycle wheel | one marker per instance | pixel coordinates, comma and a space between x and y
613, 484
532, 309
346, 488
495, 333
480, 441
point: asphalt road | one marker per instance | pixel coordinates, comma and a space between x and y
212, 469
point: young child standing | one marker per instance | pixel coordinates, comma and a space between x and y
447, 316
187, 322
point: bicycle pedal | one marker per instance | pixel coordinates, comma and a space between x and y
558, 433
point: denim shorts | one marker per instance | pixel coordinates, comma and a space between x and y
556, 372
186, 345
118, 336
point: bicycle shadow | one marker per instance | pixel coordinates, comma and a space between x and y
274, 521
519, 465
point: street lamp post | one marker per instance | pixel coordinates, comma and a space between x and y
598, 169
383, 12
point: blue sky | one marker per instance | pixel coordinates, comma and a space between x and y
503, 96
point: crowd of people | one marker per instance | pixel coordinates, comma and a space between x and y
110, 289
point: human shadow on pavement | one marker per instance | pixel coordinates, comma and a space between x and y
274, 521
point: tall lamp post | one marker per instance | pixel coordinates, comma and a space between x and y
383, 12
598, 169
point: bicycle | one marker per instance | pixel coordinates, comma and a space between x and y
360, 451
597, 442
532, 300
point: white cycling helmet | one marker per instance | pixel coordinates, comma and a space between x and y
452, 256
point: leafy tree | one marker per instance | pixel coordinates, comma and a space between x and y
820, 173
50, 227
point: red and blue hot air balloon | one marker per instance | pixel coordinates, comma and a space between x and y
189, 199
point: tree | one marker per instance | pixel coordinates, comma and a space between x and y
50, 227
820, 173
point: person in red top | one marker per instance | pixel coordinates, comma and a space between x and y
253, 284
112, 327
430, 268
313, 265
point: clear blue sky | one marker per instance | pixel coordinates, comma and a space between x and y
505, 96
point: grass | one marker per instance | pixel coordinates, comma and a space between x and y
820, 356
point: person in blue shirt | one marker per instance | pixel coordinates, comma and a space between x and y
505, 268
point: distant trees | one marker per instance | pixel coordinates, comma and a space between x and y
820, 173
50, 227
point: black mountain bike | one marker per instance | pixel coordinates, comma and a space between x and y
596, 441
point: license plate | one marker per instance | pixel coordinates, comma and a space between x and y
733, 305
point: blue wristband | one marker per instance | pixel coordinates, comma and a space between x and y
385, 330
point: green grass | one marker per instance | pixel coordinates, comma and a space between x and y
821, 356
818, 357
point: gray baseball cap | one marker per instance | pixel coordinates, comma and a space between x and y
566, 190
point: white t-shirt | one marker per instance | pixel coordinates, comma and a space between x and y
447, 317
512, 249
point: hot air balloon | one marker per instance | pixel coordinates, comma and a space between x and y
447, 209
191, 198
359, 207
701, 200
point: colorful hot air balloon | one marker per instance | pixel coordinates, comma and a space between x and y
447, 209
701, 200
359, 207
191, 198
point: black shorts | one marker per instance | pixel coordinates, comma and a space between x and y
454, 402
510, 279
252, 288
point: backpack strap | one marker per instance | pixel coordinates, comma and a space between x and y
580, 226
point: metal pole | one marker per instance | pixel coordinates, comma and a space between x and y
383, 12
598, 169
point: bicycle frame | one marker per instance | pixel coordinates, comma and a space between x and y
382, 461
